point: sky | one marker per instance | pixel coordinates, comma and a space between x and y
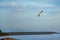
21, 15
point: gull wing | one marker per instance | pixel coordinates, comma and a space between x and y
40, 13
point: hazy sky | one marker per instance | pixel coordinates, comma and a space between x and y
21, 15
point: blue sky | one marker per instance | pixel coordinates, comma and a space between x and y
21, 15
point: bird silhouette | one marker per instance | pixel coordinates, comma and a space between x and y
40, 13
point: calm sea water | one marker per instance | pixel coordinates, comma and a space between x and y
36, 37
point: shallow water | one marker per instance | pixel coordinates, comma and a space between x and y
36, 37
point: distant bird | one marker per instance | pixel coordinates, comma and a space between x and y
40, 13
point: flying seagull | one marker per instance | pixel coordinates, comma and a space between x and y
40, 13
